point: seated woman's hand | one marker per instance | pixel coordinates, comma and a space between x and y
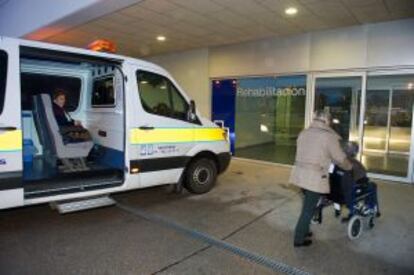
77, 123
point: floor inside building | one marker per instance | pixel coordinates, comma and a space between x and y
270, 152
252, 208
379, 163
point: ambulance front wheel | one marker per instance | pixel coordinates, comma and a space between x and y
201, 176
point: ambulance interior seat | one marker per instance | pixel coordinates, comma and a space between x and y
30, 132
72, 155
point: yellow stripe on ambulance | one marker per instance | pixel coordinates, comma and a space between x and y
11, 141
176, 135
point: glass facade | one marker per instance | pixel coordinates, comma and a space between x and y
266, 114
388, 124
341, 97
269, 113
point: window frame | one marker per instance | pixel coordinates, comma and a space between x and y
3, 89
63, 75
103, 106
170, 97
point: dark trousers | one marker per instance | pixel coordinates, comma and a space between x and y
310, 202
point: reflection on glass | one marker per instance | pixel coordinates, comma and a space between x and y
341, 97
387, 133
401, 120
270, 113
376, 119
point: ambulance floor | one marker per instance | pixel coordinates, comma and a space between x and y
252, 207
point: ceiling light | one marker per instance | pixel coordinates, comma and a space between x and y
291, 11
161, 38
264, 128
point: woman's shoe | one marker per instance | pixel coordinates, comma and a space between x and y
305, 243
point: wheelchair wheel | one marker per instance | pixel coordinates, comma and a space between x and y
355, 227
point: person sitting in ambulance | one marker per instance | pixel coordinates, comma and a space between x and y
71, 130
62, 117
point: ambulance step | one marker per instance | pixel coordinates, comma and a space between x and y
80, 205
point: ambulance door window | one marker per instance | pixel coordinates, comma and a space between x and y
179, 104
154, 94
159, 96
103, 94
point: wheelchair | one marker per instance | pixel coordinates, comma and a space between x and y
359, 197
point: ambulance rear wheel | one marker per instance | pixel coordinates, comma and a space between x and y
201, 176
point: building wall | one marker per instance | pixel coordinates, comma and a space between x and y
372, 45
269, 56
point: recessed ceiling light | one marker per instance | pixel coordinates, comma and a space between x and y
161, 38
263, 128
291, 11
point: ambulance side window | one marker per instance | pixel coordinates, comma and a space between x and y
159, 96
3, 78
103, 94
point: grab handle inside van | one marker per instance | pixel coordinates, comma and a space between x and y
102, 133
7, 128
146, 128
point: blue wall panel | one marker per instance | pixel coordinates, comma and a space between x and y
224, 104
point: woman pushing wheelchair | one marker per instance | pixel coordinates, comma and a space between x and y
325, 171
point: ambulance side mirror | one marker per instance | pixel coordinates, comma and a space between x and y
192, 111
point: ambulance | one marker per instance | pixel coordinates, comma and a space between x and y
144, 130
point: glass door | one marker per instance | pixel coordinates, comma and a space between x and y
341, 97
382, 125
387, 135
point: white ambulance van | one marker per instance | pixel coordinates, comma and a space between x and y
144, 130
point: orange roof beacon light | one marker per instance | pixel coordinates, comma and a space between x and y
102, 45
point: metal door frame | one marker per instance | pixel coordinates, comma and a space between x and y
364, 75
346, 74
411, 158
410, 173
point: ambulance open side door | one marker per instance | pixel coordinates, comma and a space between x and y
11, 166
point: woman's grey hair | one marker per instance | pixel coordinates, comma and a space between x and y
351, 149
322, 115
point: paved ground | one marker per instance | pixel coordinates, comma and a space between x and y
251, 207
